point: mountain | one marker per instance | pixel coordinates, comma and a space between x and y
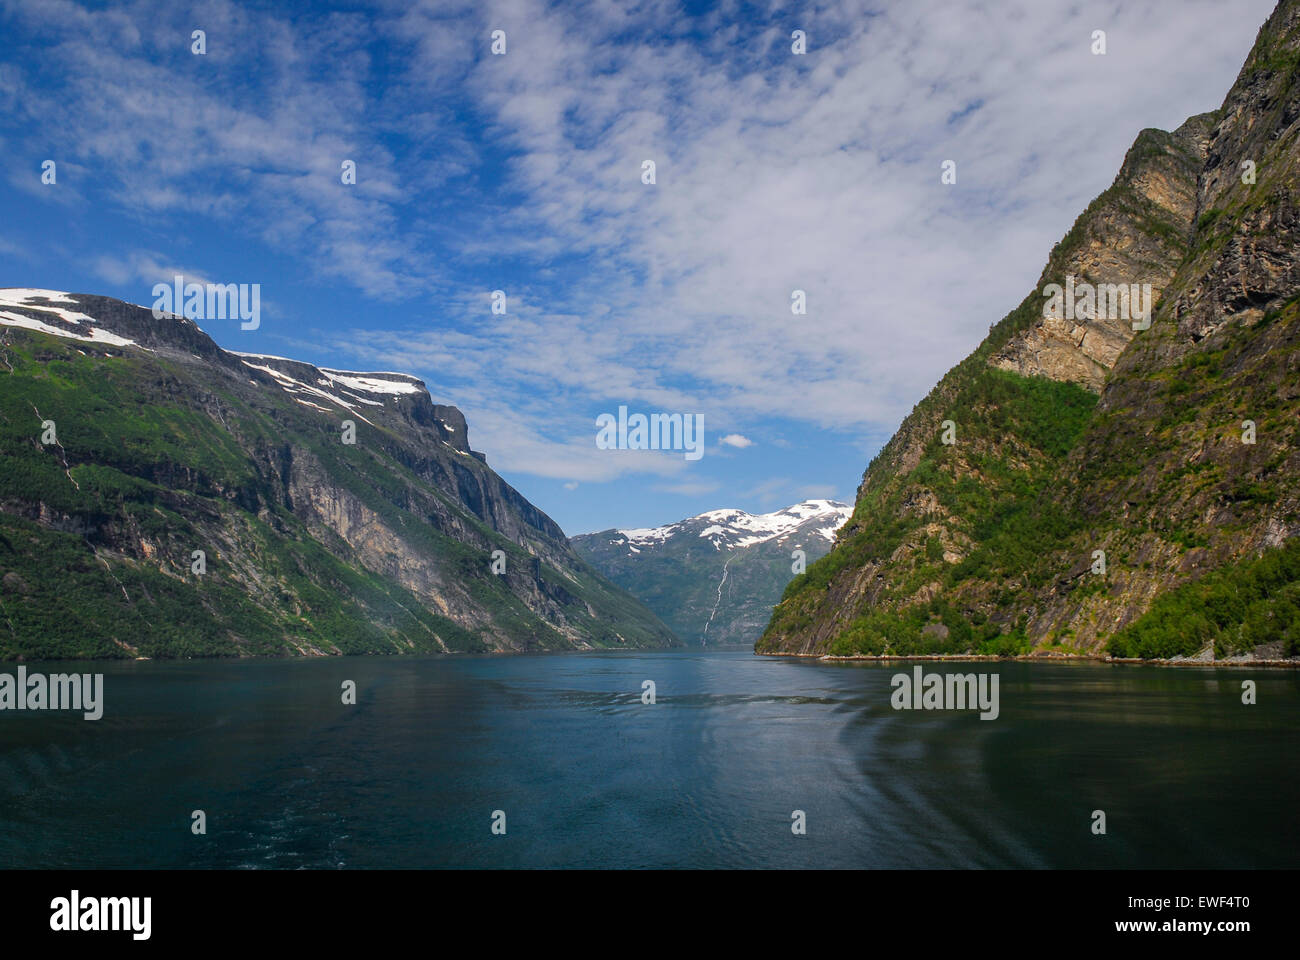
715, 578
129, 443
1109, 489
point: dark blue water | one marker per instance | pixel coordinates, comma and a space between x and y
708, 776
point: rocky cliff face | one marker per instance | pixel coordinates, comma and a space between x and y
334, 511
1104, 485
1137, 232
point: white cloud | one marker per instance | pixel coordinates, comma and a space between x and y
817, 491
820, 174
775, 173
736, 440
144, 267
251, 135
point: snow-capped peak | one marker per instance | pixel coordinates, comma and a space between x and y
54, 312
734, 528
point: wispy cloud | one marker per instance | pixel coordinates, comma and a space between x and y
817, 491
822, 174
145, 267
774, 173
688, 489
771, 491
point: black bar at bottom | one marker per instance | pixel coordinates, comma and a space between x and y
650, 910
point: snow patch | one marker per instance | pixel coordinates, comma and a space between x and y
644, 535
92, 334
20, 297
262, 356
292, 386
370, 383
22, 294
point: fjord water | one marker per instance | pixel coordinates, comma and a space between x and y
589, 776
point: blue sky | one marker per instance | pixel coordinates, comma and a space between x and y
522, 173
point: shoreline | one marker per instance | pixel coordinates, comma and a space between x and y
1034, 658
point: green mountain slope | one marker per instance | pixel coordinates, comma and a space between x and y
1078, 436
170, 445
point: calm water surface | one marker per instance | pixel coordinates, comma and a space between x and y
588, 776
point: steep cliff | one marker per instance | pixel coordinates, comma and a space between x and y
161, 496
1104, 486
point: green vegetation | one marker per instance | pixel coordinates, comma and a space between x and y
926, 629
1013, 433
156, 458
1236, 608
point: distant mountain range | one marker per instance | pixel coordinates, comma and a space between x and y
714, 578
163, 497
1087, 481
